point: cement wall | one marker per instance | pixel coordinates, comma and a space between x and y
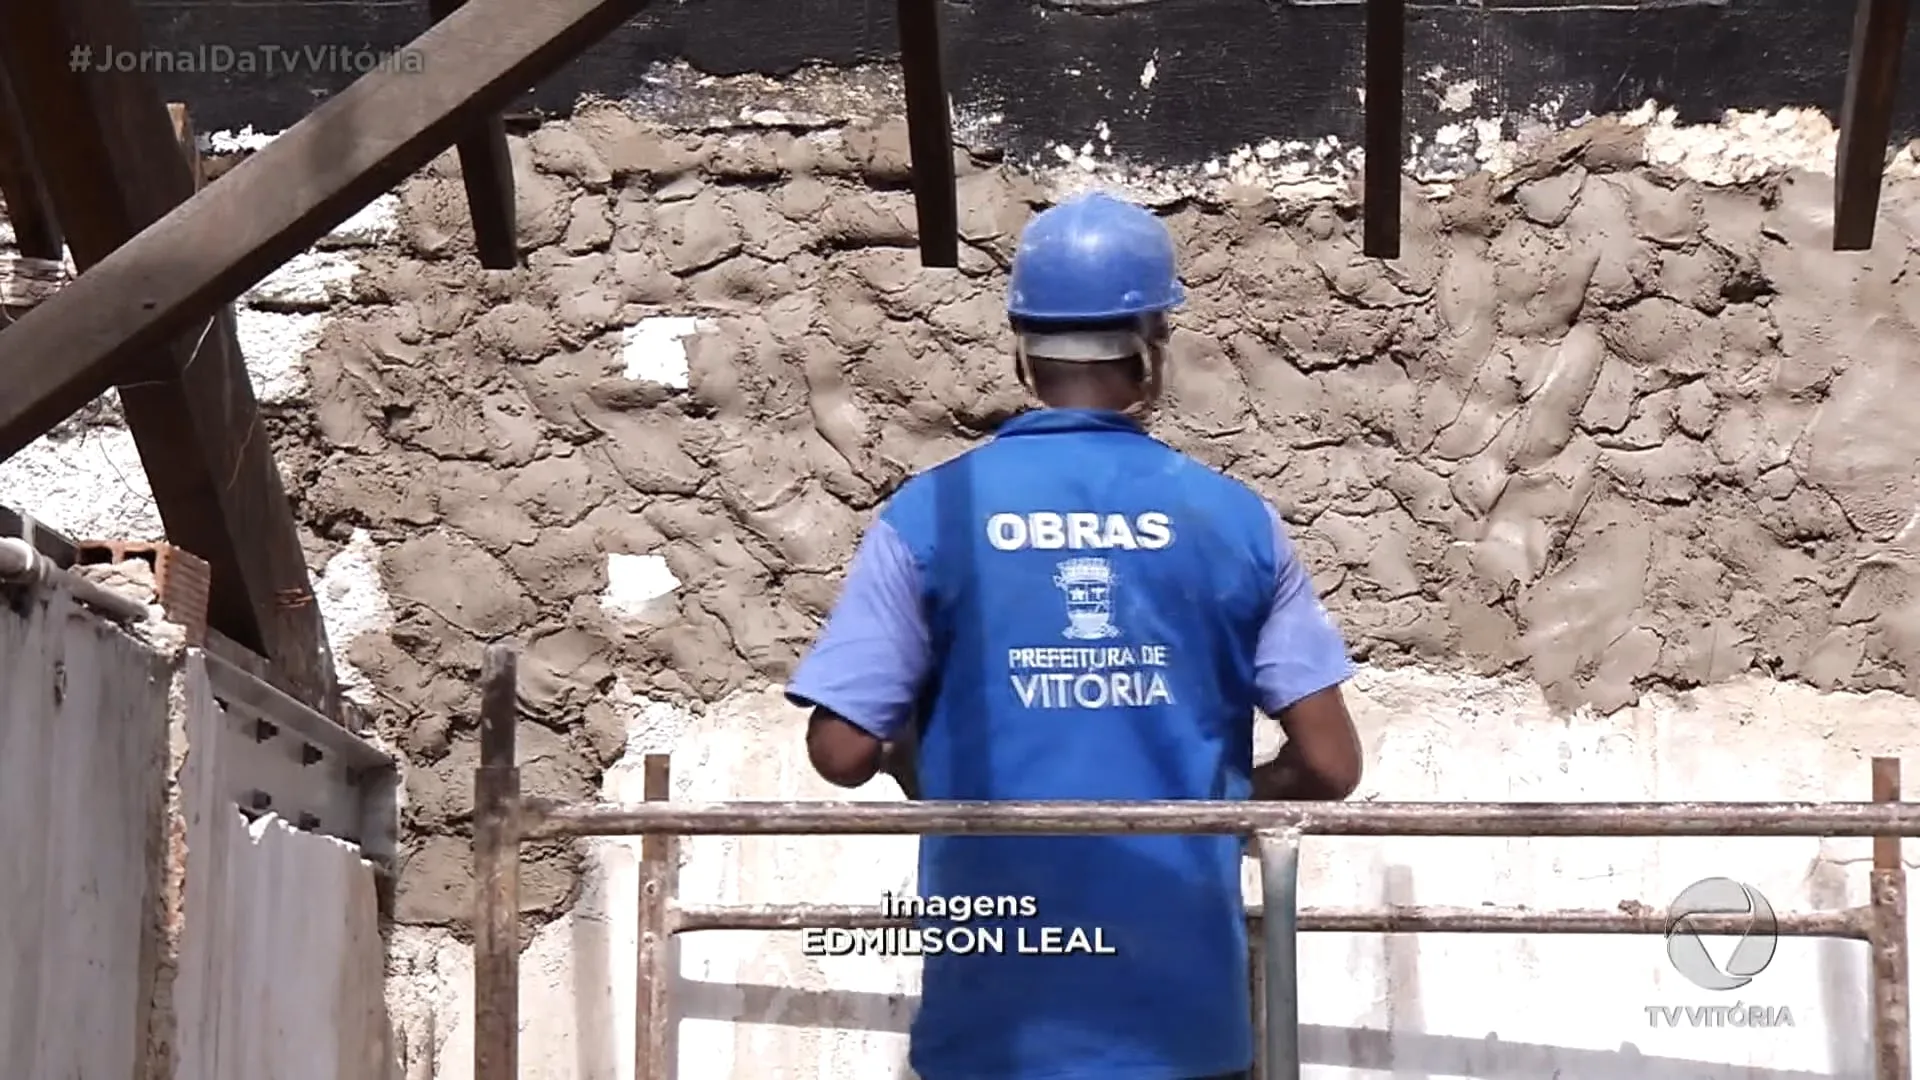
1490, 1008
83, 767
152, 932
1607, 480
280, 961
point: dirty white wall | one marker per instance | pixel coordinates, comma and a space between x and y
1497, 1008
459, 516
280, 959
83, 764
149, 925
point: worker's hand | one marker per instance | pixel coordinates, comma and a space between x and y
1280, 780
897, 761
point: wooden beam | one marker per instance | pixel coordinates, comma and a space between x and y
929, 133
356, 146
1866, 120
1385, 139
36, 233
113, 165
487, 171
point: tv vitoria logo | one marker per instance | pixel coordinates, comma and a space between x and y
1730, 900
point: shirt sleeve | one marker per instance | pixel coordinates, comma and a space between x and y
872, 657
1300, 652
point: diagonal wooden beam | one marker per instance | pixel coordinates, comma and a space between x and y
929, 133
36, 233
487, 171
357, 145
112, 162
1866, 120
1385, 139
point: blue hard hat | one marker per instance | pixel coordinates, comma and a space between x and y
1093, 259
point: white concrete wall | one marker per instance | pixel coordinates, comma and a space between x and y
154, 938
280, 958
83, 754
1491, 1008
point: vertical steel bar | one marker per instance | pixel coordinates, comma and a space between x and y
1866, 120
496, 872
1256, 959
1384, 118
929, 133
1280, 943
653, 1028
1887, 928
486, 170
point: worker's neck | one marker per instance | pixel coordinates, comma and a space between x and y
1091, 399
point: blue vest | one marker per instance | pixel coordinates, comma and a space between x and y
1094, 599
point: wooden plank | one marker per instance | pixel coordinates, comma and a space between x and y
1385, 137
487, 172
929, 133
1866, 120
357, 145
113, 165
36, 233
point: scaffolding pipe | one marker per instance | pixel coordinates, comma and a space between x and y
1887, 921
20, 564
1725, 819
1633, 918
496, 871
1280, 953
505, 819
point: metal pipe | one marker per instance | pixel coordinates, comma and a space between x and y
1632, 918
496, 872
21, 564
653, 1027
1280, 952
550, 819
1892, 1010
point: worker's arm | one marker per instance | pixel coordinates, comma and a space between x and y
1301, 662
863, 676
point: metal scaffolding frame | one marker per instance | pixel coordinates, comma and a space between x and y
504, 820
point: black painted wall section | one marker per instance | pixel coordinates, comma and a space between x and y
1229, 72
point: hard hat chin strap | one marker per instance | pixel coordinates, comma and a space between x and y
1147, 341
1083, 346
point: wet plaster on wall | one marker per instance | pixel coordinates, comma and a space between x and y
1611, 423
1605, 425
85, 477
1617, 421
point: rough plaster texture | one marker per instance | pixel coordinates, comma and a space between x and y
1617, 422
1602, 425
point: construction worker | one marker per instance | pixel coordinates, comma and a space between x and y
1074, 610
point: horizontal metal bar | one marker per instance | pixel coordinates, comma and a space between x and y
547, 819
1850, 923
350, 750
23, 564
